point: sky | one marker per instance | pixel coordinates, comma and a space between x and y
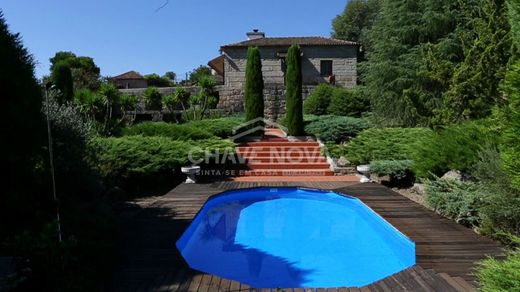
124, 35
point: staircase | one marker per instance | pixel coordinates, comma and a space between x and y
275, 155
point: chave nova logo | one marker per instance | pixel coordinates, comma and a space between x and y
258, 147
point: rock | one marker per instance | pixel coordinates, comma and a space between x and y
418, 189
363, 168
453, 175
342, 162
363, 179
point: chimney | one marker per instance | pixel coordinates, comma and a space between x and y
255, 34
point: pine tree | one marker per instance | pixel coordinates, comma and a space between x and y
254, 90
294, 101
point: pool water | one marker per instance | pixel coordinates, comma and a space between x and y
292, 238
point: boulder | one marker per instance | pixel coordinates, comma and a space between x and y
452, 175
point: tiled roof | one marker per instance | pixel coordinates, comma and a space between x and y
288, 41
128, 75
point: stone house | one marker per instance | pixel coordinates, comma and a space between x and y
129, 80
323, 60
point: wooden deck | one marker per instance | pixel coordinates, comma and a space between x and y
149, 261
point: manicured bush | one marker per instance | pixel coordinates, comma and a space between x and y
348, 102
136, 162
152, 98
453, 148
500, 275
222, 127
317, 103
335, 128
293, 94
383, 144
172, 131
397, 170
456, 200
254, 88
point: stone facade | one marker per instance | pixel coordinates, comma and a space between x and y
344, 69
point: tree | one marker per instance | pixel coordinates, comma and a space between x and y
158, 81
198, 73
357, 18
254, 88
23, 135
170, 75
62, 78
293, 95
85, 73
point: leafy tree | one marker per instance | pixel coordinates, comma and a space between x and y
84, 71
356, 20
293, 95
254, 88
158, 81
23, 135
62, 78
152, 98
170, 75
200, 72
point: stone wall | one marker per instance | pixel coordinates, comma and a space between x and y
232, 100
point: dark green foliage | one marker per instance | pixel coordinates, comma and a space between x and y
207, 98
136, 163
158, 81
293, 94
173, 131
23, 135
254, 88
357, 18
435, 61
514, 20
198, 73
153, 98
318, 101
395, 169
85, 73
335, 128
456, 200
62, 78
453, 148
510, 147
222, 127
348, 102
384, 144
128, 101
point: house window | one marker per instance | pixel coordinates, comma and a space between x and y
326, 68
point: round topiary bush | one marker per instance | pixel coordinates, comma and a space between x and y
318, 102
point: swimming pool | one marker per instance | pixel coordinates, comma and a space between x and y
294, 237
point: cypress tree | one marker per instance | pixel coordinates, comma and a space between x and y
62, 78
254, 92
293, 95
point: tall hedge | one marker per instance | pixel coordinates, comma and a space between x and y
294, 100
62, 78
23, 135
254, 91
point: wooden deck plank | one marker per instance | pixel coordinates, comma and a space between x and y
150, 261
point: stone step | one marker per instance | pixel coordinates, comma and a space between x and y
289, 172
286, 159
267, 153
285, 148
267, 165
279, 144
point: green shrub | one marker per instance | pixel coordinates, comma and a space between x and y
453, 148
396, 169
62, 77
152, 98
172, 131
383, 144
335, 128
293, 95
500, 275
348, 102
136, 162
129, 102
454, 199
222, 127
318, 101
